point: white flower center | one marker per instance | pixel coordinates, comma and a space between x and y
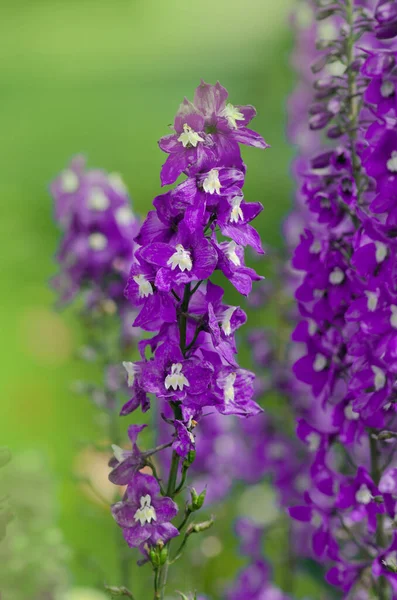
97, 241
381, 251
320, 362
379, 379
392, 162
176, 378
393, 316
228, 389
350, 414
69, 181
189, 137
372, 300
119, 453
276, 450
231, 253
131, 372
313, 440
181, 258
232, 115
387, 89
312, 326
211, 183
97, 200
336, 276
226, 317
316, 520
315, 248
145, 287
302, 483
146, 512
236, 212
363, 495
124, 215
117, 183
390, 561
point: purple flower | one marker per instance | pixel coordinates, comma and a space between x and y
126, 463
184, 441
207, 130
143, 513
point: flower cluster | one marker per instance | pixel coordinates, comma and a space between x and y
346, 298
94, 212
199, 227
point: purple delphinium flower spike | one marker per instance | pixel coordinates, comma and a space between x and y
189, 364
344, 262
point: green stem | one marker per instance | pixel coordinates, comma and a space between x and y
173, 475
353, 103
380, 530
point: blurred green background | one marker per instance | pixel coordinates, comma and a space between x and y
104, 78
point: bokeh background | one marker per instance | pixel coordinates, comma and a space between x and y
104, 78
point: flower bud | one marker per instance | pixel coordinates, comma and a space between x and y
197, 499
118, 592
199, 527
154, 558
163, 556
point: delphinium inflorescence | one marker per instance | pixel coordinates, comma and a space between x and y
198, 227
347, 299
93, 210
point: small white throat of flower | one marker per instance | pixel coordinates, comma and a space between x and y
119, 453
176, 379
97, 241
98, 200
236, 213
336, 276
392, 162
232, 115
228, 389
372, 301
231, 253
69, 181
320, 362
189, 137
387, 89
117, 183
144, 286
393, 316
363, 495
350, 414
315, 247
181, 258
226, 318
313, 440
132, 370
379, 378
124, 215
146, 512
381, 252
211, 183
390, 561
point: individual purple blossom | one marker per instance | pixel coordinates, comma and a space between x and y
143, 514
207, 130
126, 463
